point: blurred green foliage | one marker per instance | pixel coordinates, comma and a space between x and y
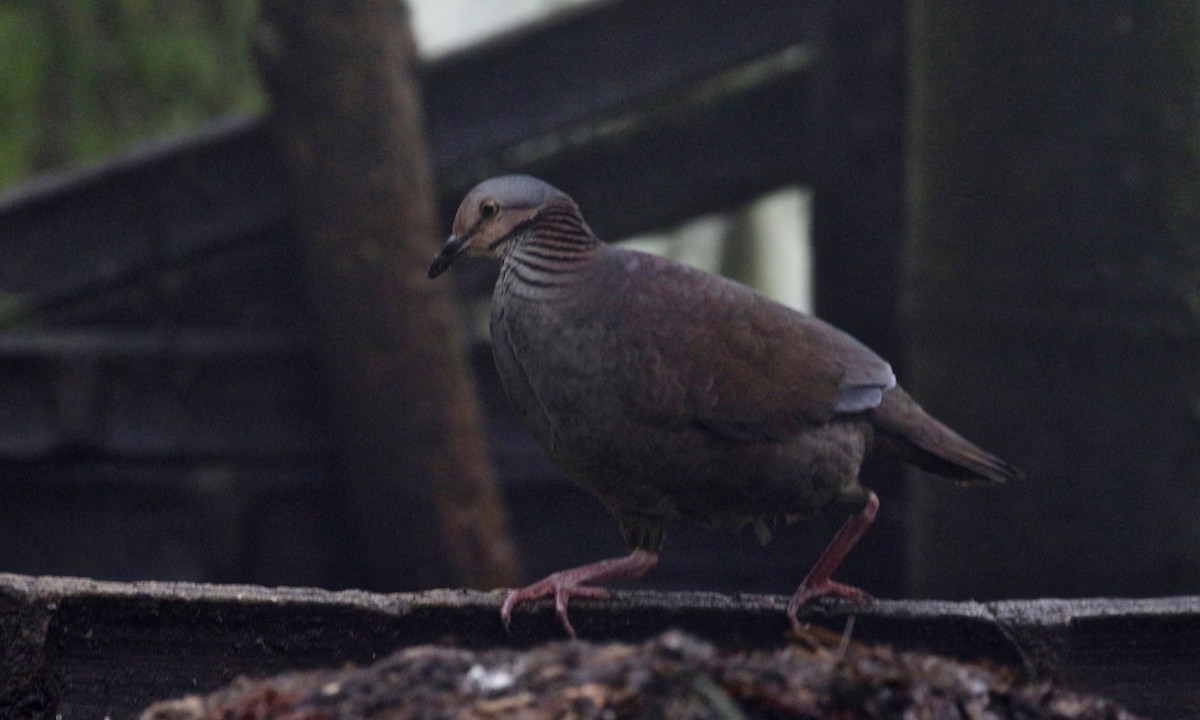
82, 79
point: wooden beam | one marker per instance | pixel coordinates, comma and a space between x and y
60, 636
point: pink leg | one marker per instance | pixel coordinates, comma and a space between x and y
818, 582
579, 582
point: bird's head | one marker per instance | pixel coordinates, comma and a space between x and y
495, 212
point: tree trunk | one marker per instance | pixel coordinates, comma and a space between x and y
421, 490
1053, 292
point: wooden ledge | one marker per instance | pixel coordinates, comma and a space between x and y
82, 648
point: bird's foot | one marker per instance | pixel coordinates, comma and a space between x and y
577, 582
562, 590
818, 583
807, 592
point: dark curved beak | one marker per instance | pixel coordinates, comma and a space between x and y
452, 249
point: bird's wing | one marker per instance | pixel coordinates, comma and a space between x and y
711, 352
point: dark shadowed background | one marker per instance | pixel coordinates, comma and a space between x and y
217, 362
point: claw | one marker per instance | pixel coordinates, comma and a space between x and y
566, 584
807, 593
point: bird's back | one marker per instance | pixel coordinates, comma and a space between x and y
673, 391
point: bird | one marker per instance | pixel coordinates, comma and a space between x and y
667, 391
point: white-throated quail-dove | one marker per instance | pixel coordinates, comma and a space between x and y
667, 391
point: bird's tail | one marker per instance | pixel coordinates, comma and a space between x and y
916, 437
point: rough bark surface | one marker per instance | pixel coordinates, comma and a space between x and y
347, 119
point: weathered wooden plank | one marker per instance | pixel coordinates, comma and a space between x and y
201, 521
592, 63
75, 234
198, 395
80, 648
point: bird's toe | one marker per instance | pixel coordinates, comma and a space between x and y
807, 592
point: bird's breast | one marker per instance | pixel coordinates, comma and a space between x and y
554, 361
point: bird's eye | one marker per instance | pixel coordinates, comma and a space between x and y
488, 208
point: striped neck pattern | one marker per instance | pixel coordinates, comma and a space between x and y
553, 246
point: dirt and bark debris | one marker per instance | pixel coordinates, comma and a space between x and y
673, 676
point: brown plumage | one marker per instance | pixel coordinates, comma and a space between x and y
667, 391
